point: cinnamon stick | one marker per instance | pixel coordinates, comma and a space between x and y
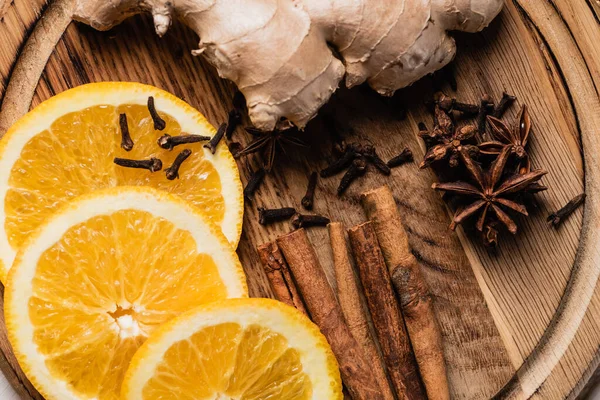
385, 311
415, 300
326, 313
352, 307
279, 276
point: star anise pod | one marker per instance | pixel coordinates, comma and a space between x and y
443, 127
269, 143
490, 191
448, 147
515, 138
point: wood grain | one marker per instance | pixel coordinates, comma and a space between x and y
544, 52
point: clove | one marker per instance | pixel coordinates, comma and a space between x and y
404, 157
350, 153
173, 171
214, 142
167, 141
233, 120
159, 123
254, 182
370, 153
448, 104
357, 168
268, 216
306, 221
505, 102
485, 108
152, 165
558, 217
126, 142
308, 199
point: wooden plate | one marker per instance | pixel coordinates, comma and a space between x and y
524, 318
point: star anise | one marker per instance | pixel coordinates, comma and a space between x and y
269, 143
449, 146
443, 126
515, 138
490, 191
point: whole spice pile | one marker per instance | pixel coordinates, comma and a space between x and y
488, 173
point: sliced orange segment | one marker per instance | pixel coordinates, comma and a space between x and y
97, 278
247, 349
65, 148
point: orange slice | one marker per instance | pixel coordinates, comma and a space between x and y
250, 349
65, 148
97, 278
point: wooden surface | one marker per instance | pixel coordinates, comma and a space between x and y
494, 307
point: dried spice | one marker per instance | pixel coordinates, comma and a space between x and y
449, 146
558, 217
489, 235
503, 105
308, 199
126, 142
256, 178
268, 216
371, 155
349, 153
152, 165
167, 141
159, 123
214, 142
504, 183
306, 221
449, 104
357, 168
269, 143
515, 139
405, 156
490, 191
485, 108
233, 120
173, 171
354, 159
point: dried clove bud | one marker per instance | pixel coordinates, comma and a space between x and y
306, 221
214, 142
268, 216
308, 199
357, 168
485, 108
405, 156
159, 123
167, 141
350, 153
449, 104
152, 165
254, 182
173, 171
233, 121
505, 102
558, 217
126, 142
370, 153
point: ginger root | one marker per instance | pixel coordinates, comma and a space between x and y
279, 52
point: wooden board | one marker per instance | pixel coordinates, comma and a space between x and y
494, 307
